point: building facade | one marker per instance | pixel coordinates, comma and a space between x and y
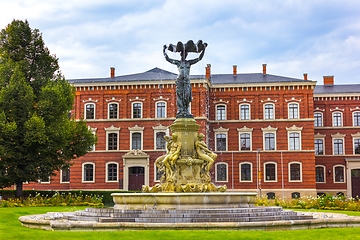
260, 125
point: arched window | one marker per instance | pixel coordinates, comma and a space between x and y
269, 111
337, 119
245, 172
320, 174
137, 110
293, 109
244, 112
88, 172
112, 172
160, 110
318, 119
221, 172
136, 141
90, 111
339, 174
220, 112
295, 172
270, 172
113, 109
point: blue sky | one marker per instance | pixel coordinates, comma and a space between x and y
318, 37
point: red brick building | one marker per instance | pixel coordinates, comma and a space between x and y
260, 125
337, 137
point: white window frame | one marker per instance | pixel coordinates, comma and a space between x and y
137, 129
251, 172
341, 119
264, 174
156, 109
338, 136
297, 112
107, 172
353, 118
291, 130
117, 113
109, 130
242, 131
266, 130
132, 110
322, 119
85, 105
61, 177
355, 137
319, 136
227, 171
221, 130
273, 111
324, 173
225, 112
289, 173
83, 172
157, 129
249, 113
344, 172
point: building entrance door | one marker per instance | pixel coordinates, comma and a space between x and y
136, 178
355, 183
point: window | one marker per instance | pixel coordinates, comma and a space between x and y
294, 141
337, 119
293, 110
295, 172
295, 195
136, 141
160, 141
319, 147
356, 119
88, 172
245, 141
160, 110
245, 172
357, 146
318, 119
221, 172
221, 142
339, 174
269, 139
90, 111
270, 172
65, 175
137, 110
112, 141
269, 111
113, 111
244, 112
112, 172
338, 146
220, 112
320, 174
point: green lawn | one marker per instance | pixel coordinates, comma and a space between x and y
10, 228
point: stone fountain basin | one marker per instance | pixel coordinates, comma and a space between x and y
142, 201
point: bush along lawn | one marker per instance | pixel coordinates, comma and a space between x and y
324, 202
57, 199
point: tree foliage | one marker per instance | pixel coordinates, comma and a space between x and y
37, 137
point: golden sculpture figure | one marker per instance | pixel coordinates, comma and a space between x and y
204, 153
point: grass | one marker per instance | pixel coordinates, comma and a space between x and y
10, 228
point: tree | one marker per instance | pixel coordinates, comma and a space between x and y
37, 136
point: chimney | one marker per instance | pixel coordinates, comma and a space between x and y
328, 80
112, 72
305, 76
208, 71
264, 68
234, 70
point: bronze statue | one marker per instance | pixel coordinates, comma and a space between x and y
183, 85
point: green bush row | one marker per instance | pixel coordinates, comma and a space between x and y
327, 202
57, 198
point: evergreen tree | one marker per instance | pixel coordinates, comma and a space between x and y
37, 137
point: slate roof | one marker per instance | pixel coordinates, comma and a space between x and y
336, 89
157, 74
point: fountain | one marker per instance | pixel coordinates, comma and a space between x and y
186, 181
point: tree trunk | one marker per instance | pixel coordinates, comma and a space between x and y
19, 189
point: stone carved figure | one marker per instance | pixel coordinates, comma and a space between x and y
183, 85
173, 146
204, 153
